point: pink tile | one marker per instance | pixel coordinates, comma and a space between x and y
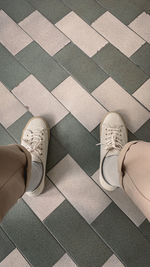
81, 34
80, 103
114, 98
11, 35
123, 202
44, 104
14, 259
47, 202
113, 261
10, 108
65, 261
141, 25
79, 188
118, 34
44, 32
143, 94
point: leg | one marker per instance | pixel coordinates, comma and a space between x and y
15, 169
134, 168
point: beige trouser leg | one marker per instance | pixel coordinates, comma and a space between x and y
15, 171
134, 168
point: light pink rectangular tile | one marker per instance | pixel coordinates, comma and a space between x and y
44, 32
81, 34
11, 35
113, 261
80, 103
114, 98
47, 202
79, 188
123, 202
14, 259
10, 107
118, 34
65, 261
141, 25
39, 100
143, 94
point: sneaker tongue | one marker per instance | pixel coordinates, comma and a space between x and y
35, 158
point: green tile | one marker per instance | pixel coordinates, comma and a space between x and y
143, 133
55, 153
144, 5
124, 10
16, 9
81, 67
53, 10
42, 65
142, 58
80, 144
120, 68
16, 128
6, 246
5, 138
123, 237
31, 237
145, 229
77, 237
88, 10
11, 71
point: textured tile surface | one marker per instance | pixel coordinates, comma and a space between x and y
141, 56
5, 244
118, 34
143, 94
113, 261
141, 26
14, 259
48, 32
65, 261
86, 38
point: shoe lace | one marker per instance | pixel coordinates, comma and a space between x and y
113, 139
34, 140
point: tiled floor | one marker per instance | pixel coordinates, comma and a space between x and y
71, 61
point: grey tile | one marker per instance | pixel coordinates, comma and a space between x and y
30, 236
42, 65
5, 138
123, 237
124, 10
11, 71
56, 152
120, 68
53, 10
88, 10
145, 228
144, 132
16, 9
77, 237
80, 144
81, 67
142, 58
6, 246
17, 127
144, 5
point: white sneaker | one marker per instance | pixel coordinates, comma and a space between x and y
35, 138
113, 136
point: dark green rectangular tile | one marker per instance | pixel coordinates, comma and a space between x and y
145, 229
17, 127
124, 10
5, 138
80, 144
6, 246
31, 237
81, 67
88, 10
11, 71
120, 68
56, 152
53, 10
16, 9
42, 65
143, 133
144, 5
77, 237
123, 237
142, 58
